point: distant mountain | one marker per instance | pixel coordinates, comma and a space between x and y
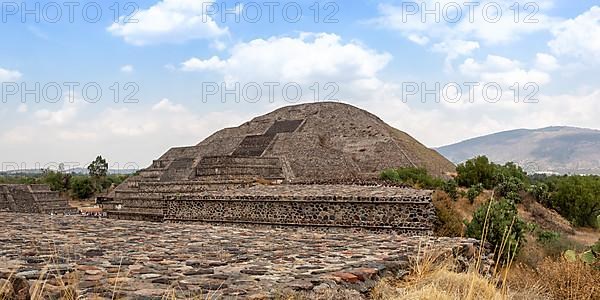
564, 150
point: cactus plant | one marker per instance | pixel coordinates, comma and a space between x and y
588, 257
596, 248
570, 255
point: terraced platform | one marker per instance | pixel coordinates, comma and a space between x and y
33, 198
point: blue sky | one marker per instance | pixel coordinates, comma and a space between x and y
369, 53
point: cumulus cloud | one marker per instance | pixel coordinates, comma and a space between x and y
502, 70
127, 69
303, 59
458, 29
9, 75
122, 134
167, 106
22, 108
579, 37
169, 21
546, 62
71, 105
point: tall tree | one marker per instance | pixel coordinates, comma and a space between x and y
98, 168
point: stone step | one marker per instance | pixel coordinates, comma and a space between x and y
61, 210
247, 177
234, 160
136, 215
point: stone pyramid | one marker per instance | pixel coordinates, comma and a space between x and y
301, 143
316, 143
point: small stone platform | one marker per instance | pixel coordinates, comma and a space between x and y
33, 198
116, 259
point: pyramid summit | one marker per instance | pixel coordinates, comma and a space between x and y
310, 155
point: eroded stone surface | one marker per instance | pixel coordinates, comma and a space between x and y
141, 260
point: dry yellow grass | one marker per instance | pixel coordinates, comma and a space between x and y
560, 279
445, 284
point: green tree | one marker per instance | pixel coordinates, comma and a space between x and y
499, 220
480, 170
98, 168
57, 181
473, 192
577, 198
82, 187
510, 188
476, 170
451, 188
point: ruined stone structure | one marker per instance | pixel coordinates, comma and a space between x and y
331, 143
32, 198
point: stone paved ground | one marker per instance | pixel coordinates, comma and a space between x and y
138, 260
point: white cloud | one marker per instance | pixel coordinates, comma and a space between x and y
479, 22
579, 37
69, 134
71, 105
455, 49
546, 62
169, 21
212, 64
460, 36
308, 58
22, 108
9, 75
502, 70
418, 39
218, 45
127, 69
167, 106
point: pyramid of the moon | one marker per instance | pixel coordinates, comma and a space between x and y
308, 142
324, 143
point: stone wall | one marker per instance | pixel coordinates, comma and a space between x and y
377, 208
143, 201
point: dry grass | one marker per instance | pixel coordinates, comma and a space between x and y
432, 278
449, 222
560, 279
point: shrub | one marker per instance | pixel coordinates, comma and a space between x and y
499, 220
480, 170
82, 187
509, 188
417, 177
451, 188
448, 222
473, 192
476, 170
577, 198
540, 192
57, 181
546, 237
